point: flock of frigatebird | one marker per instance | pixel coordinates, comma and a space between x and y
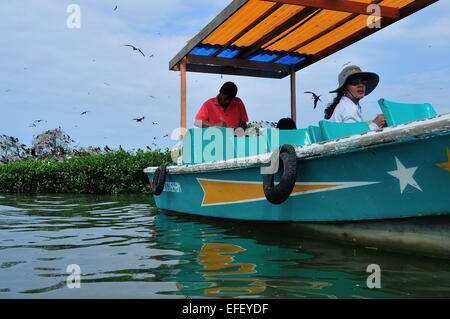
316, 97
137, 120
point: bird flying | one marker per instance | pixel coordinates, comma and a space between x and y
139, 120
134, 48
84, 113
316, 98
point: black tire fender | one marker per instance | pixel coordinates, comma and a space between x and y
282, 191
159, 180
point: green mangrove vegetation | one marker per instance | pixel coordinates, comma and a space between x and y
54, 165
117, 172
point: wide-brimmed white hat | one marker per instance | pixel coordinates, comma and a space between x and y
354, 71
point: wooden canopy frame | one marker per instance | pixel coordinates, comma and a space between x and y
243, 63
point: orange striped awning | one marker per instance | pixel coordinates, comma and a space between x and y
272, 38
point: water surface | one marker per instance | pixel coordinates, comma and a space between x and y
125, 248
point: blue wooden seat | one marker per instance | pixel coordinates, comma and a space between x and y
247, 146
293, 137
315, 134
202, 146
208, 145
219, 144
333, 130
401, 113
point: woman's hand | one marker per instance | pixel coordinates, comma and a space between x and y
380, 120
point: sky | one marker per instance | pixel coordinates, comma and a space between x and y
54, 73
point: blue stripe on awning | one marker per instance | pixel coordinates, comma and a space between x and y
229, 53
290, 60
204, 51
263, 57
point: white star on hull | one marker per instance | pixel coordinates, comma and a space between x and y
405, 176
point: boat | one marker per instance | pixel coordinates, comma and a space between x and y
333, 172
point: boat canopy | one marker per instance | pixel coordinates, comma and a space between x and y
275, 38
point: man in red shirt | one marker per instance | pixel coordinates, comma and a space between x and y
225, 110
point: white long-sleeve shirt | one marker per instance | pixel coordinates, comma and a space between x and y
349, 112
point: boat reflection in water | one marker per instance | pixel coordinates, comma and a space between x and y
222, 259
218, 261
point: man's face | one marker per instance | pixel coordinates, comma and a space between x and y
224, 100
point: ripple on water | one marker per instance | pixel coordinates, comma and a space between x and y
50, 259
4, 208
50, 202
51, 210
101, 204
10, 264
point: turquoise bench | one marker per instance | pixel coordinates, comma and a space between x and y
401, 113
247, 146
333, 130
219, 144
208, 145
300, 137
315, 134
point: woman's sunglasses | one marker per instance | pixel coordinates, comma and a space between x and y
358, 82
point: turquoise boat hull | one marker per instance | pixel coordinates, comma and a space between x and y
409, 177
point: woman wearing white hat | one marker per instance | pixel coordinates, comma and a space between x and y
354, 85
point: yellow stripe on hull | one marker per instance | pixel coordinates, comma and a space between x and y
226, 192
446, 166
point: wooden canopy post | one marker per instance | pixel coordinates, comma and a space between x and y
293, 96
183, 123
